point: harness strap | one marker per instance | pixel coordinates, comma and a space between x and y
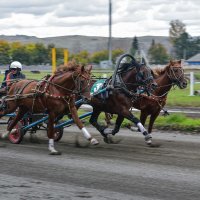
24, 86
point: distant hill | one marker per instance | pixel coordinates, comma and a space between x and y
78, 43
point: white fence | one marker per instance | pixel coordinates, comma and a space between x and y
192, 83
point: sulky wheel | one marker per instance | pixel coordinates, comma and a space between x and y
58, 133
17, 133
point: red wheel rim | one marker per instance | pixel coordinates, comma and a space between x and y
15, 136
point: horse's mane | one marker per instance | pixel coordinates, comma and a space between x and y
159, 71
128, 65
70, 66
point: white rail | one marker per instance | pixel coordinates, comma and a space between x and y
192, 83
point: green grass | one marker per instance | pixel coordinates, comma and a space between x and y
175, 122
180, 97
178, 122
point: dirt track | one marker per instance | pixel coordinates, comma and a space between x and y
127, 170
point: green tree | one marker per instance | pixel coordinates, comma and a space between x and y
4, 52
158, 54
116, 53
40, 54
185, 46
22, 55
49, 50
177, 28
81, 57
30, 49
134, 46
96, 57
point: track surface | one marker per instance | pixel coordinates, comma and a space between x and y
128, 170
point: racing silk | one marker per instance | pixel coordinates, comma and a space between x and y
12, 76
97, 86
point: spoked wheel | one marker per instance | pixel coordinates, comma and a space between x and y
16, 134
58, 134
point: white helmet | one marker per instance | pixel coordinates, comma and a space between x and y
15, 65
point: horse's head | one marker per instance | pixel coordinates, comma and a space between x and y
175, 73
83, 82
75, 78
145, 79
138, 77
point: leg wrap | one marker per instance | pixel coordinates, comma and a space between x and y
141, 127
135, 120
86, 133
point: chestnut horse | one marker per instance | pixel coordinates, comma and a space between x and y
172, 74
55, 96
121, 96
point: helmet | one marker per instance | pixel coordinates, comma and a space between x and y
15, 65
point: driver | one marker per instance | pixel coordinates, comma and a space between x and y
14, 73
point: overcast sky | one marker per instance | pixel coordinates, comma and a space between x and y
44, 18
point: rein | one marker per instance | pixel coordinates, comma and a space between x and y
77, 89
37, 92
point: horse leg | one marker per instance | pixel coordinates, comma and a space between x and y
136, 121
128, 115
79, 123
50, 134
7, 107
143, 117
118, 123
152, 120
20, 113
94, 122
108, 118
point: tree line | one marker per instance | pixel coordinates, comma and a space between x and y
184, 46
38, 53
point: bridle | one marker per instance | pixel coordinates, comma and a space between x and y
140, 76
172, 75
78, 81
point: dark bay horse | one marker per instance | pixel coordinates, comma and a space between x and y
55, 96
172, 74
120, 98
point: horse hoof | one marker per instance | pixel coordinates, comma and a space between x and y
94, 141
154, 145
106, 140
148, 139
4, 135
107, 131
55, 153
109, 140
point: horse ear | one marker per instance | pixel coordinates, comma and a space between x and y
89, 68
171, 62
82, 68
